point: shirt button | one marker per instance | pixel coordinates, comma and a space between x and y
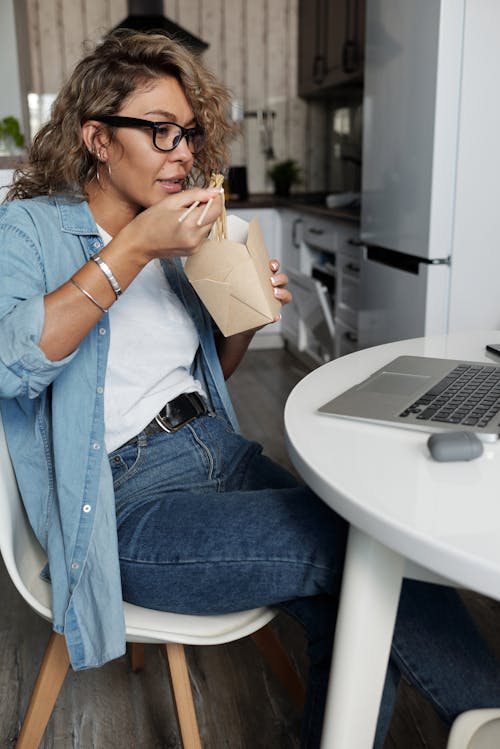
96, 446
96, 244
87, 508
75, 566
102, 331
100, 390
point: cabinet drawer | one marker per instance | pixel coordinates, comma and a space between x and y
348, 292
320, 233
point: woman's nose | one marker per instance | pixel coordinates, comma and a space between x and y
182, 151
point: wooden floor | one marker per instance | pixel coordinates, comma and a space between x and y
239, 703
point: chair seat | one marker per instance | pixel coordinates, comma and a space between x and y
150, 626
147, 625
476, 729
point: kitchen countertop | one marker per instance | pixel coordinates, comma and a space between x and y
306, 203
11, 162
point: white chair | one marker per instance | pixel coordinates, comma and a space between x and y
476, 729
24, 558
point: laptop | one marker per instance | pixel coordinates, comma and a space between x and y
427, 393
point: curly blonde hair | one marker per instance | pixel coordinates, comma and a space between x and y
59, 161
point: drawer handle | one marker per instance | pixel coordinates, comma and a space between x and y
313, 230
352, 267
295, 227
318, 69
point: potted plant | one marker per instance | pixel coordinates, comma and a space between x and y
284, 174
11, 137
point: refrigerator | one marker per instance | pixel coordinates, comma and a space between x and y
430, 201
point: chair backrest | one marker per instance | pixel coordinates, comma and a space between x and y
22, 554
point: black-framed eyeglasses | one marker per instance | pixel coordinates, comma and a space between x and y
166, 135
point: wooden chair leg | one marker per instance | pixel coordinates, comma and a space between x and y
49, 681
183, 695
136, 651
271, 648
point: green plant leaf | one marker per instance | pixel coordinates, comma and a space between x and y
9, 127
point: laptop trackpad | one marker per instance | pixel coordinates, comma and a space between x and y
393, 383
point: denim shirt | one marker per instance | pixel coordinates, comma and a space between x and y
53, 414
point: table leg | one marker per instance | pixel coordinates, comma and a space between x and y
368, 605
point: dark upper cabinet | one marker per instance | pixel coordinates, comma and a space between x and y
331, 45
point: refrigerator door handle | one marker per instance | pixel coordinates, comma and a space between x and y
399, 260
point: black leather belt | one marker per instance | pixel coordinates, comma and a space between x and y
177, 412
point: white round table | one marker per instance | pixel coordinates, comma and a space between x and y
409, 516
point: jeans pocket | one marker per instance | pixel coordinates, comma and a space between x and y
124, 463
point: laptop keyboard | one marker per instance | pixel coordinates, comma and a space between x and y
468, 395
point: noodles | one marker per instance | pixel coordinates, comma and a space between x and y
219, 229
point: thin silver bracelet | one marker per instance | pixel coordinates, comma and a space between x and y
108, 273
89, 296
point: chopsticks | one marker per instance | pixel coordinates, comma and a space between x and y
192, 207
221, 227
204, 212
188, 211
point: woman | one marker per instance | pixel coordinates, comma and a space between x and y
112, 381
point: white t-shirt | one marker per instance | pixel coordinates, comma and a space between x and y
153, 342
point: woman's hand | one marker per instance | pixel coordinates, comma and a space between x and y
232, 349
279, 282
166, 230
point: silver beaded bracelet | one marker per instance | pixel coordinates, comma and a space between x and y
108, 273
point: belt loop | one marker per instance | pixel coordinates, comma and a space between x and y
142, 439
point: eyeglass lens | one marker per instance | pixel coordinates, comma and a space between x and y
168, 136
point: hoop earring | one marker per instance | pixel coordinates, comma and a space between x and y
97, 175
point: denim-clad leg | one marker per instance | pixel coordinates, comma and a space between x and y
207, 525
438, 649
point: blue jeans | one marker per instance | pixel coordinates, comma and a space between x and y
208, 525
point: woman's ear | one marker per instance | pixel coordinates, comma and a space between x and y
95, 139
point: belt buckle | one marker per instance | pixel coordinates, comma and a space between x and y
166, 424
163, 426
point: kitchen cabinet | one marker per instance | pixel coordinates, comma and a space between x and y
292, 223
307, 323
322, 259
331, 45
347, 314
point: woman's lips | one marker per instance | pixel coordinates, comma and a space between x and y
171, 185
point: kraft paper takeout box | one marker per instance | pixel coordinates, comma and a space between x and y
232, 278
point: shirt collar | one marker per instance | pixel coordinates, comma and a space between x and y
75, 216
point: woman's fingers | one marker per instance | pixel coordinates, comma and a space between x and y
279, 282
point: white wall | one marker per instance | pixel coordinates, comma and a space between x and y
5, 180
10, 85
